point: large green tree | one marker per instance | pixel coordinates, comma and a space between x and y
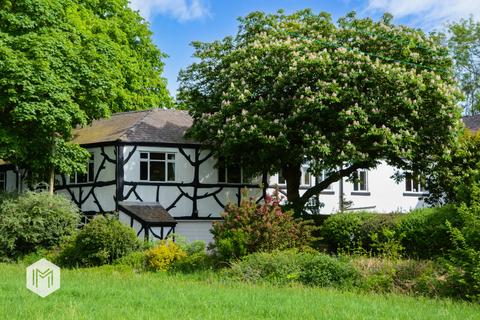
464, 43
64, 63
295, 89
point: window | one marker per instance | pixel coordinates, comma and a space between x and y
230, 173
324, 175
413, 183
157, 166
306, 177
3, 181
89, 176
281, 178
360, 180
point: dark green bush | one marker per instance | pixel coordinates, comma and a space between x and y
357, 232
100, 242
33, 221
425, 231
284, 267
326, 271
253, 227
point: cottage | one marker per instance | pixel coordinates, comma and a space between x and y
160, 182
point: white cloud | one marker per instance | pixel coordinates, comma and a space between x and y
183, 10
428, 13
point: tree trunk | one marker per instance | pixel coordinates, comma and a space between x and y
293, 174
51, 183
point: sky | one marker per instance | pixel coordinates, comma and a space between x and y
176, 23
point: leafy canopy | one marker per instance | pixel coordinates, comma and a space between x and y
464, 44
64, 63
291, 89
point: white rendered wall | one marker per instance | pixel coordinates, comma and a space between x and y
384, 195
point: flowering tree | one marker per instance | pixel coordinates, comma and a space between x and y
291, 89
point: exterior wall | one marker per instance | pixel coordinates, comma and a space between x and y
196, 197
384, 195
97, 195
195, 230
185, 197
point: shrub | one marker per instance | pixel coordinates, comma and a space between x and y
425, 233
253, 227
101, 241
463, 261
283, 267
34, 221
326, 271
360, 232
162, 256
135, 260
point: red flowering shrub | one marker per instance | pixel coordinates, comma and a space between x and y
253, 227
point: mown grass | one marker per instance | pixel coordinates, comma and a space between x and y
109, 293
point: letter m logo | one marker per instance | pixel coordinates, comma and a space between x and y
37, 275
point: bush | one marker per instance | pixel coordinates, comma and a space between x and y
283, 267
135, 260
253, 227
360, 232
34, 221
425, 231
101, 241
162, 256
463, 261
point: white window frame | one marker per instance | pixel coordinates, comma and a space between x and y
324, 175
415, 184
166, 160
89, 175
306, 175
357, 181
225, 169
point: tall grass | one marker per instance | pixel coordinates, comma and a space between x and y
112, 293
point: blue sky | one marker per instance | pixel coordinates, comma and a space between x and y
175, 23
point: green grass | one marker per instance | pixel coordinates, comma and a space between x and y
108, 293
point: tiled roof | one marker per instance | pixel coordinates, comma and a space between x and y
472, 122
150, 213
155, 125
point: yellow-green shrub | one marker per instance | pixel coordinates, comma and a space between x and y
162, 256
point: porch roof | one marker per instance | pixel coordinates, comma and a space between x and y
152, 214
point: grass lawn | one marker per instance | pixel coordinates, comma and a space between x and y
106, 293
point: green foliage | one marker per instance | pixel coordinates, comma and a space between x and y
65, 63
425, 231
419, 277
361, 232
464, 43
464, 259
454, 175
163, 255
290, 89
34, 221
102, 241
253, 227
284, 267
